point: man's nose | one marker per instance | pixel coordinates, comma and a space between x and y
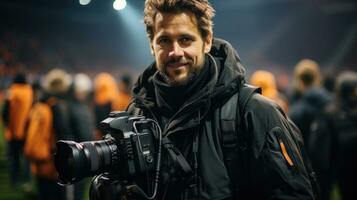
176, 50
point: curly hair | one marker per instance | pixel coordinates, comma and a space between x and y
200, 8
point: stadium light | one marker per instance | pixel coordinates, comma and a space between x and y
84, 2
119, 4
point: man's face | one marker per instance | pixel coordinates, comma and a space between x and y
178, 46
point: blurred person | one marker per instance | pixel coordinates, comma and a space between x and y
105, 95
311, 98
306, 75
72, 118
329, 80
124, 93
266, 81
193, 86
82, 119
82, 115
333, 144
16, 109
57, 84
40, 146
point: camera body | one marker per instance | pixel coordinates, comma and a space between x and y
126, 151
134, 151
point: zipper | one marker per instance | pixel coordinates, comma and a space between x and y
286, 150
285, 153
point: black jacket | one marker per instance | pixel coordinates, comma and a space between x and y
268, 174
308, 108
332, 144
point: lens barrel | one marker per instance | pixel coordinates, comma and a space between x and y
75, 161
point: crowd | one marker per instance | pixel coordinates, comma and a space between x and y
59, 106
324, 109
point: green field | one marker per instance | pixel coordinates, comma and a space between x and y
8, 192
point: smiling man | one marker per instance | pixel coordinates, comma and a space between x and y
178, 47
192, 90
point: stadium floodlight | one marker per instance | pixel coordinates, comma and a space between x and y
84, 2
119, 4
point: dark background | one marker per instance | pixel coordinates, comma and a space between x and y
268, 34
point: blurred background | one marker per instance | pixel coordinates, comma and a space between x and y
93, 37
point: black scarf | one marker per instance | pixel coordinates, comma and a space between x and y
170, 98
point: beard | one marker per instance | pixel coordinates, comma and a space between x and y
173, 82
192, 71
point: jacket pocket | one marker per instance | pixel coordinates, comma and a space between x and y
282, 154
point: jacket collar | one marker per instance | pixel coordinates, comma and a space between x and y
228, 75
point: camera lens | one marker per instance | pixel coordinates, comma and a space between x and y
75, 161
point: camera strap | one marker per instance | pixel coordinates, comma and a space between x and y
178, 159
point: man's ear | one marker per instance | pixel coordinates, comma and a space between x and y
208, 42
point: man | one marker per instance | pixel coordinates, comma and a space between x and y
334, 139
192, 77
309, 99
124, 93
16, 110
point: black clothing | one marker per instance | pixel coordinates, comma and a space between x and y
49, 190
194, 129
170, 98
307, 108
101, 112
82, 121
62, 120
333, 147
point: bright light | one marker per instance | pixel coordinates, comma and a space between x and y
84, 2
119, 4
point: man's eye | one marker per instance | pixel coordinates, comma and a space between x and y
186, 39
163, 41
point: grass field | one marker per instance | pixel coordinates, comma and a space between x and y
7, 191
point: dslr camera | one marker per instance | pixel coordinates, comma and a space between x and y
130, 148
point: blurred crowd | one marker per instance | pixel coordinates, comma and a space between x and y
57, 106
324, 108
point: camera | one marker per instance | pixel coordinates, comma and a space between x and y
128, 150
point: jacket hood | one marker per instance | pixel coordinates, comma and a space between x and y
226, 79
228, 71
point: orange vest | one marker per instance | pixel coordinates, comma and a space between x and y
121, 102
40, 141
105, 89
20, 98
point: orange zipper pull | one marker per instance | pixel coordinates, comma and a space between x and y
285, 153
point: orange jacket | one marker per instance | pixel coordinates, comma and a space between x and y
266, 81
105, 89
39, 145
122, 101
20, 98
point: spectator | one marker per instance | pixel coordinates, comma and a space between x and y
266, 81
82, 119
310, 97
333, 144
15, 114
40, 146
124, 94
105, 95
